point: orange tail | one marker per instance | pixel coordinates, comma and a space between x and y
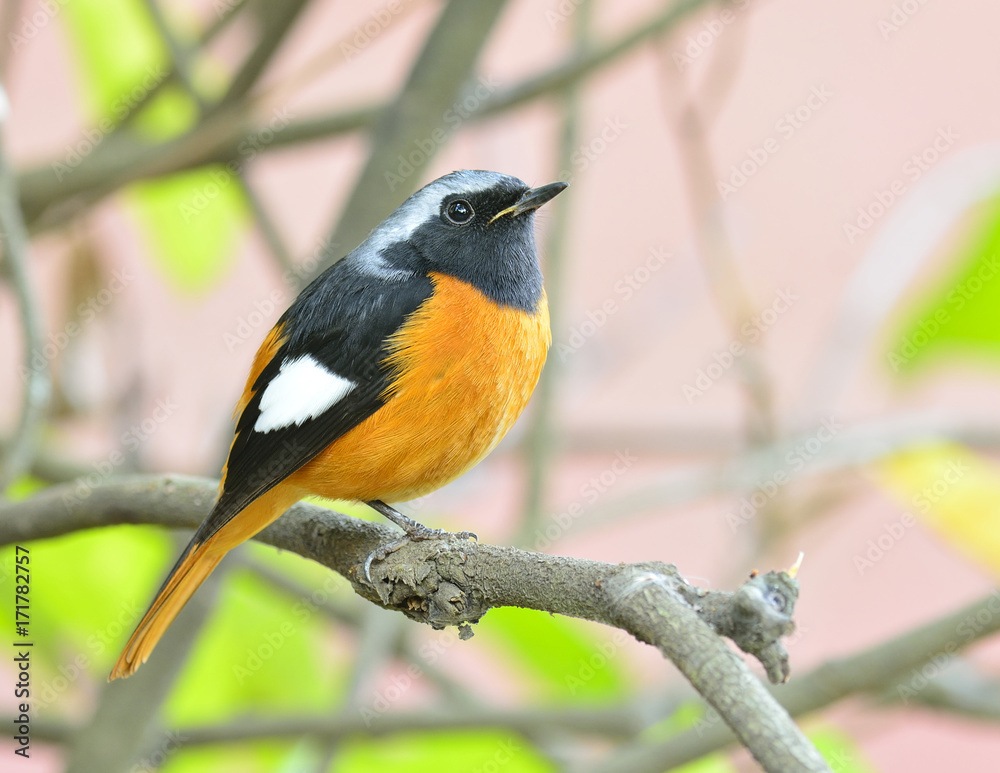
189, 573
211, 542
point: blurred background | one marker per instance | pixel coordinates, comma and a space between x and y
775, 287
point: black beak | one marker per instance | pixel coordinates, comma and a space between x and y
532, 199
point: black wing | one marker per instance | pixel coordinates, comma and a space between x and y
342, 321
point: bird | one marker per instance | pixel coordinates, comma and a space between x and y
394, 372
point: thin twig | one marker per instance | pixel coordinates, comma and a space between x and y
540, 447
221, 21
734, 300
275, 21
180, 55
267, 227
37, 379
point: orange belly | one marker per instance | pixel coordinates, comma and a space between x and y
466, 370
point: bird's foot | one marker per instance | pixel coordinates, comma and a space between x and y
414, 532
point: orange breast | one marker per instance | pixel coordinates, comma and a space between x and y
466, 370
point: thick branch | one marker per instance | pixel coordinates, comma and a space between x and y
903, 666
454, 582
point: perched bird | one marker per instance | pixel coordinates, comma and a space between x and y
393, 373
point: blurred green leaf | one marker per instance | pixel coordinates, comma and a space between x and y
87, 591
950, 488
962, 314
24, 487
245, 757
840, 751
442, 753
570, 659
262, 650
190, 220
118, 49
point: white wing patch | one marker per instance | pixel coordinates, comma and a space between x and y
302, 390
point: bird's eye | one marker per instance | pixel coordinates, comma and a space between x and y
459, 212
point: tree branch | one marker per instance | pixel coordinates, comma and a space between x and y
455, 583
276, 20
418, 114
123, 159
888, 668
37, 381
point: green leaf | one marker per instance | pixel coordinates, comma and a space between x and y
568, 658
190, 220
840, 751
961, 316
262, 650
87, 591
24, 487
245, 757
119, 52
442, 753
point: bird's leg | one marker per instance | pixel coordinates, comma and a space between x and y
414, 532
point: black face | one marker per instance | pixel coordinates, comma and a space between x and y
496, 254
